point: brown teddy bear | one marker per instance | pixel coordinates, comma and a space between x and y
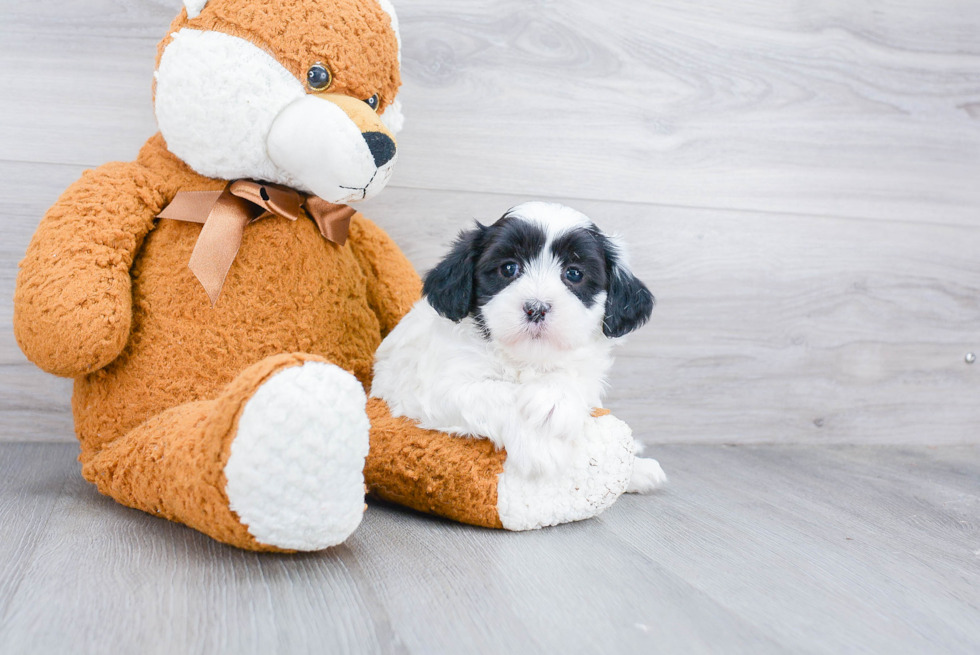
219, 305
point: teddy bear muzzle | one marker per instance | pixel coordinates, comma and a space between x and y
334, 145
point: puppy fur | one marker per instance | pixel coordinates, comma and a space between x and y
513, 338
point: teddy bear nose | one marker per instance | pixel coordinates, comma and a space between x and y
381, 146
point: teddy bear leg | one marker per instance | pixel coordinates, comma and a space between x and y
468, 480
275, 463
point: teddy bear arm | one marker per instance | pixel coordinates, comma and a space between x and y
73, 303
393, 286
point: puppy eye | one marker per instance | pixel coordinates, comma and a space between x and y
510, 269
373, 102
573, 275
318, 77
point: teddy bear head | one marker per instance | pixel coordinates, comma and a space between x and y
294, 92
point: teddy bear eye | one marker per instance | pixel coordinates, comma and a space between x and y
318, 77
373, 102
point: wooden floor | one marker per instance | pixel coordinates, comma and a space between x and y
800, 186
752, 549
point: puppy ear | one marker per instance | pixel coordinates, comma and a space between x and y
628, 301
449, 286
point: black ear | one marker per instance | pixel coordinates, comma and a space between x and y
449, 286
628, 301
628, 304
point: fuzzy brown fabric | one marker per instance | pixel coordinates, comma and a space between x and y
434, 472
186, 448
359, 46
431, 471
288, 290
104, 295
72, 304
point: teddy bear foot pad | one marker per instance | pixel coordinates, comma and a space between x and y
274, 463
295, 472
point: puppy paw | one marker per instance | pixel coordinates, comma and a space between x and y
551, 414
533, 455
647, 476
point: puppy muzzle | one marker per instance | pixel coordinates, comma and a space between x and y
333, 145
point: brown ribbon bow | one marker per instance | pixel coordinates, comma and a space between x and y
226, 213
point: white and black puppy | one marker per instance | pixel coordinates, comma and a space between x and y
513, 338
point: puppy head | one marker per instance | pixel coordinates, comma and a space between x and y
542, 279
296, 93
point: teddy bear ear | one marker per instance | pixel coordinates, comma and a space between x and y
393, 118
390, 10
194, 7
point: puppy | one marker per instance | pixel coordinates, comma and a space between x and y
513, 337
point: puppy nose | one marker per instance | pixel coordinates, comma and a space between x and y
381, 146
535, 310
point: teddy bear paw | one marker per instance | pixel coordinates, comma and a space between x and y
295, 472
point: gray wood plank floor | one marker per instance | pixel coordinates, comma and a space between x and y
751, 549
799, 184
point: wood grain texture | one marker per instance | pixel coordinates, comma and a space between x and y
823, 108
770, 327
32, 481
81, 100
771, 106
798, 184
837, 307
753, 549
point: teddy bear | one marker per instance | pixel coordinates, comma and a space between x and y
218, 303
